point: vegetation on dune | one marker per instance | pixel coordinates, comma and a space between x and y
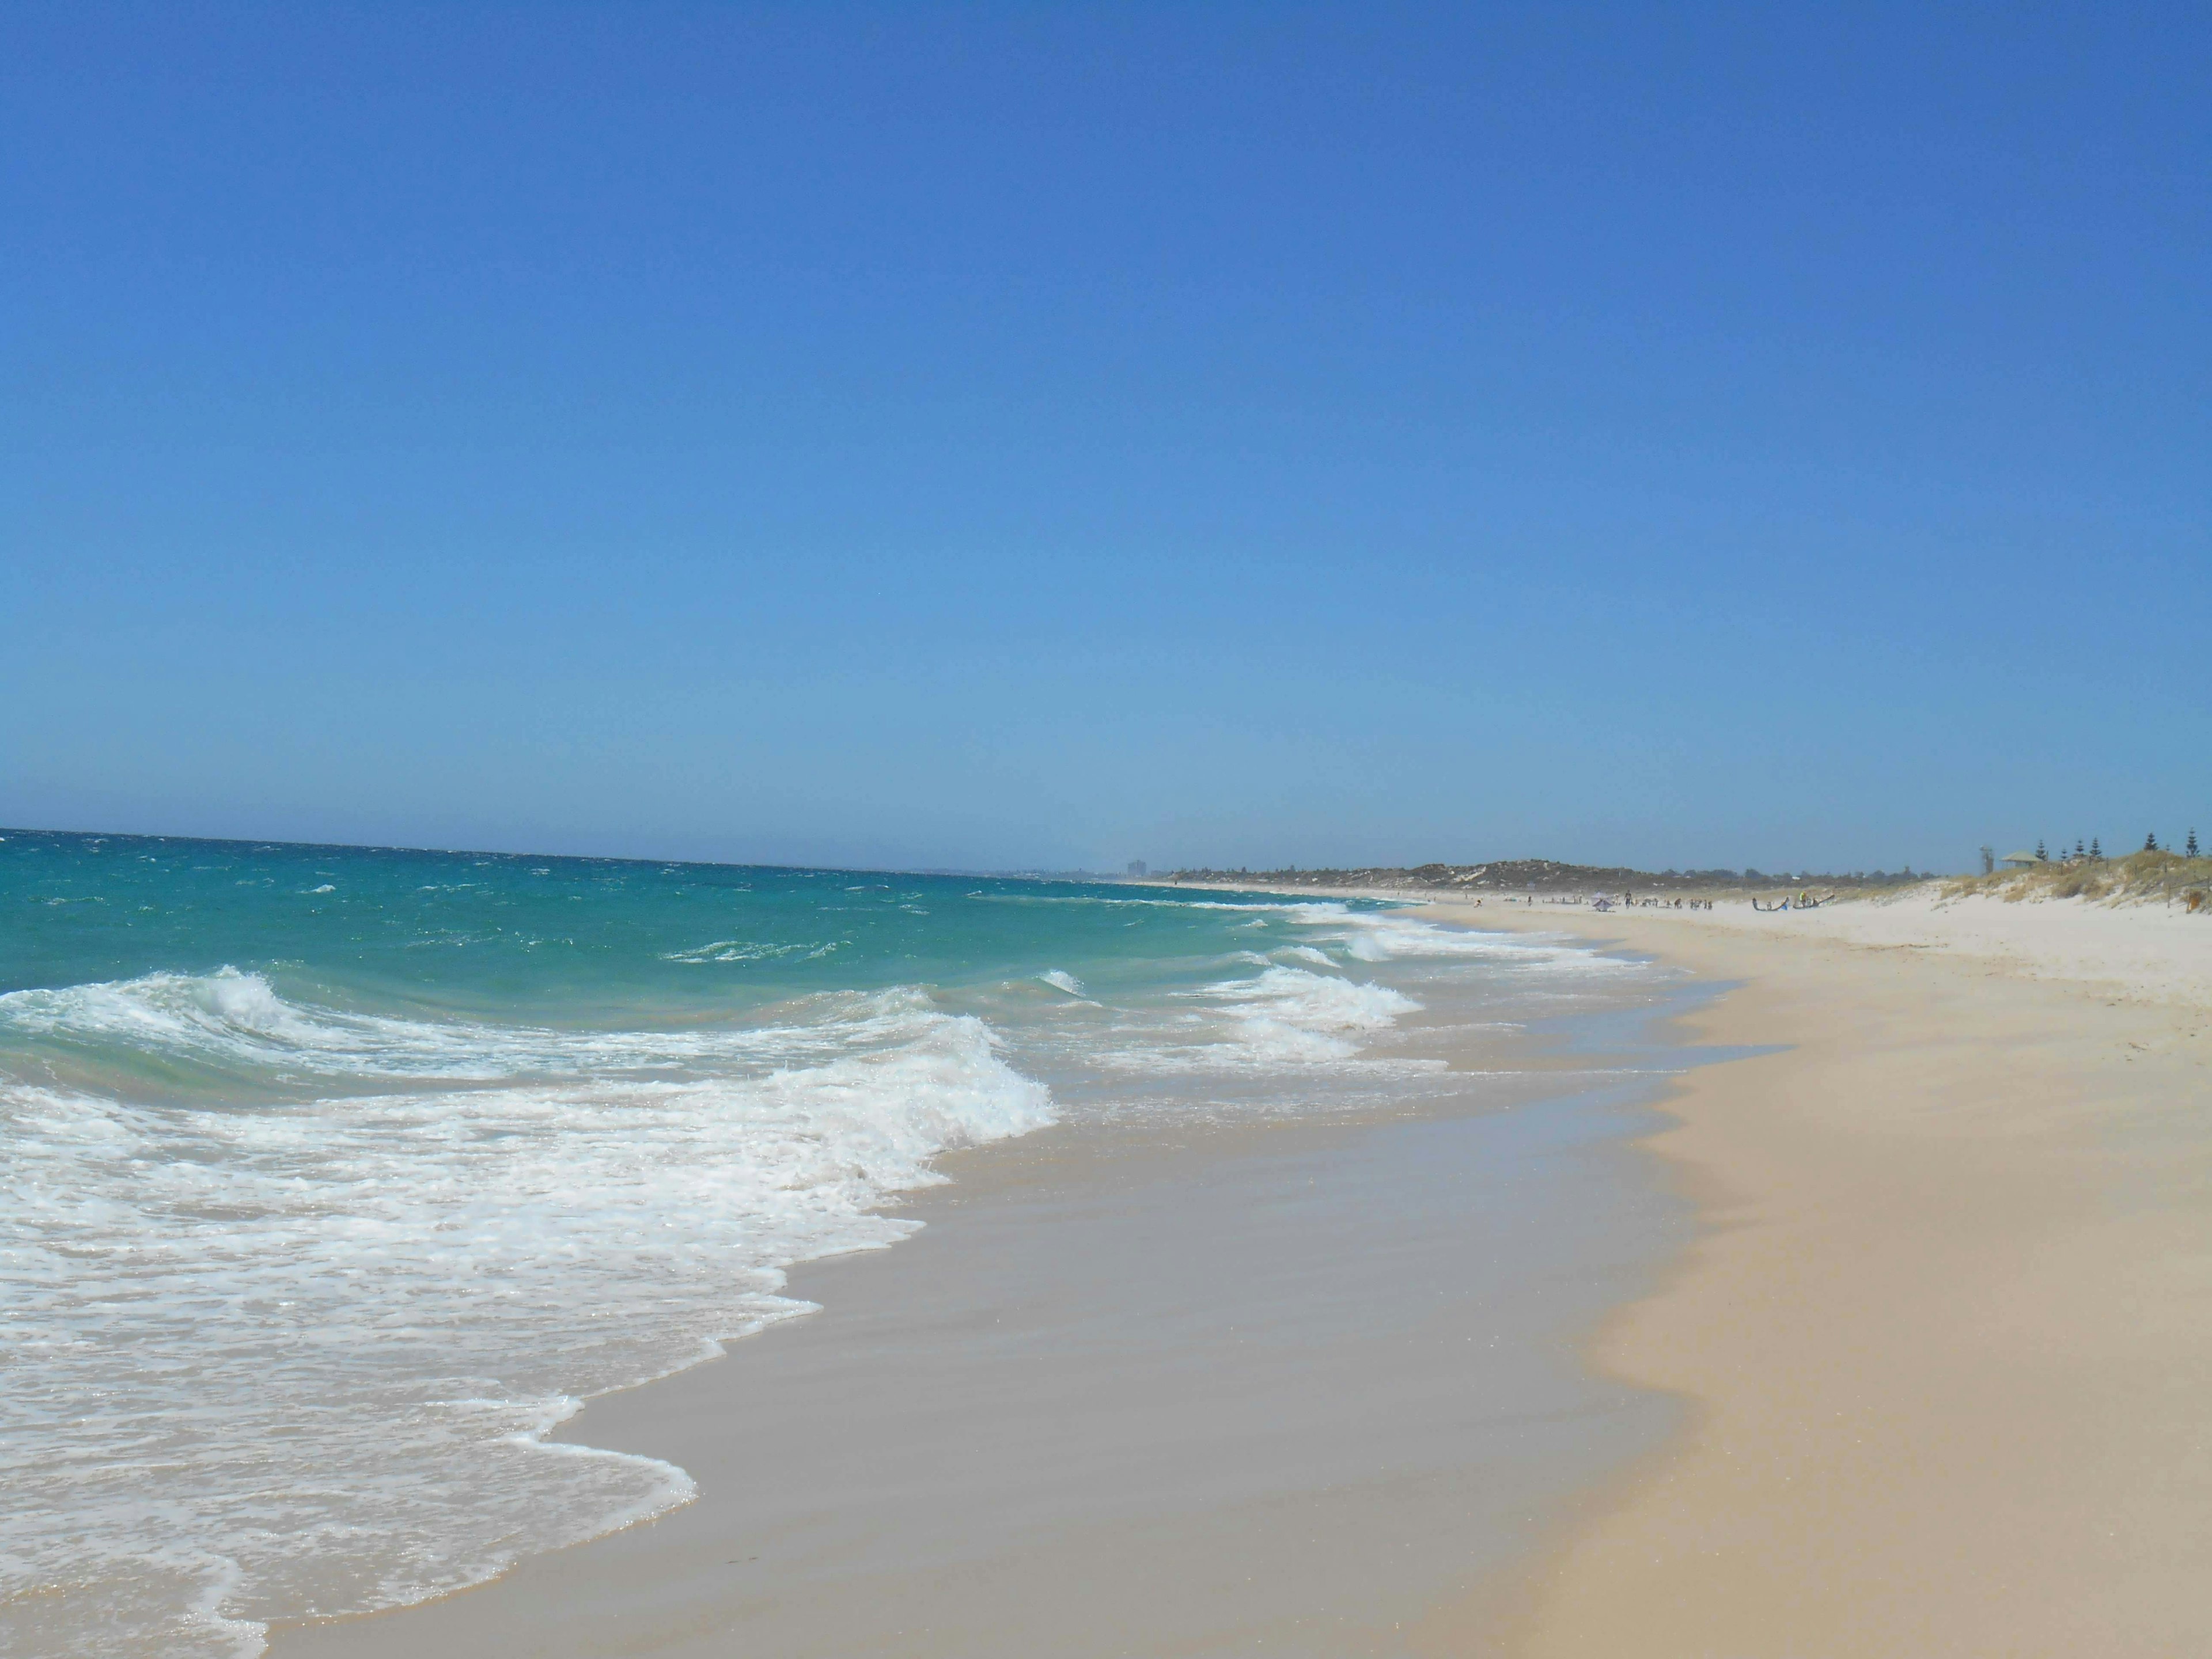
2160, 876
2140, 878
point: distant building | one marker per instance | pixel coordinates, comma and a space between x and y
2019, 861
1137, 867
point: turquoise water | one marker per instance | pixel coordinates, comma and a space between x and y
336, 1176
566, 939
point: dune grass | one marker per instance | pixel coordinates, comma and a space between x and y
2138, 878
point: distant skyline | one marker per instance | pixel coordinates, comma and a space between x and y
1003, 436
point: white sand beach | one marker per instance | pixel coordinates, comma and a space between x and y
1930, 1376
1945, 1341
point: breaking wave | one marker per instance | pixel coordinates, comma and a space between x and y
432, 1271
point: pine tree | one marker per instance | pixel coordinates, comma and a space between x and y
2096, 850
2041, 857
2191, 849
2150, 842
2078, 848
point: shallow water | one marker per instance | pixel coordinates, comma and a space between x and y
335, 1178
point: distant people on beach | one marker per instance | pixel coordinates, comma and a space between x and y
1607, 901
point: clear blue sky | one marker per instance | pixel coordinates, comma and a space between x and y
1014, 435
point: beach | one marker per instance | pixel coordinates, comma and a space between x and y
1106, 832
534, 1243
1944, 1342
1316, 1274
1267, 1391
1929, 1377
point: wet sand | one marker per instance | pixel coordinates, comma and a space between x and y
1278, 1389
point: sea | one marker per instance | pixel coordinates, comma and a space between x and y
335, 1178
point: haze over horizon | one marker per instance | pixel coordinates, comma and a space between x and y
1003, 438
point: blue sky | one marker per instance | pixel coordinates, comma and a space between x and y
989, 436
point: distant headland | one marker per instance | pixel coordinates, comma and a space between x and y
1548, 876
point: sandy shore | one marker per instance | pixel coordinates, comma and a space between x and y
1278, 1388
1934, 1375
1947, 1338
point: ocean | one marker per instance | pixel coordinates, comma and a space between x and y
336, 1177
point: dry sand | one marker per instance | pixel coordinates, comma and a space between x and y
1947, 1338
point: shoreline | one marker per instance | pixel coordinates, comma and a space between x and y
1108, 1364
1934, 1349
1158, 1358
1943, 1332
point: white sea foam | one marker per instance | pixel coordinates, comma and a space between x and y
237, 1021
1320, 1002
282, 1359
1282, 1018
1061, 980
738, 950
1381, 936
1291, 1014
